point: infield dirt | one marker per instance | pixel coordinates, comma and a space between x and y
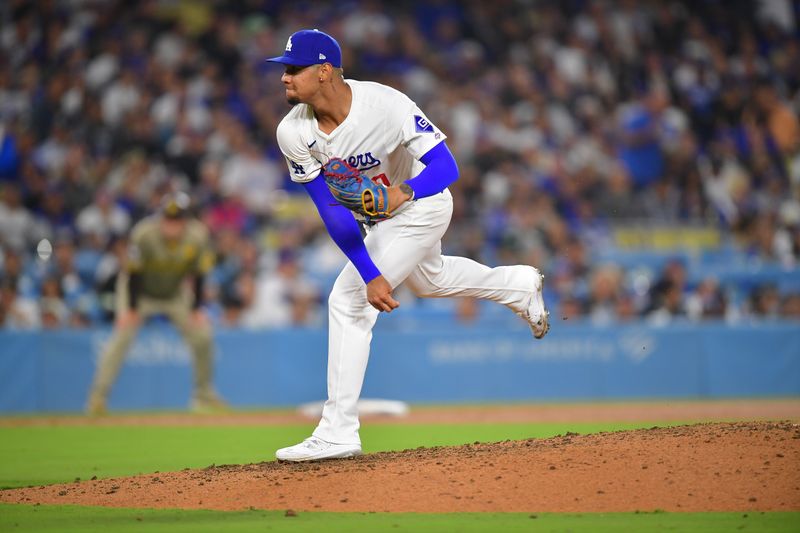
742, 466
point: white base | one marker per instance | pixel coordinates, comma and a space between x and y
366, 407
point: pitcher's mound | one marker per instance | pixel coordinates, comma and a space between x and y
704, 467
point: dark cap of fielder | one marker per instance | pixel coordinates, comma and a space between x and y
310, 47
176, 205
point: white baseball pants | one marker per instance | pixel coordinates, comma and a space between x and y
406, 247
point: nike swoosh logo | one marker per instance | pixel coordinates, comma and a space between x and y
312, 144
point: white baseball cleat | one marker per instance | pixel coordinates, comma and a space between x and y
537, 316
314, 449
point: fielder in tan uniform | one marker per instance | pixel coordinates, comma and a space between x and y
167, 252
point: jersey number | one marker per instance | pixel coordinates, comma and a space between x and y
381, 179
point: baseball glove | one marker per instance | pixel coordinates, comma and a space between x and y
355, 190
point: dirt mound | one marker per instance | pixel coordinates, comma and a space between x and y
704, 467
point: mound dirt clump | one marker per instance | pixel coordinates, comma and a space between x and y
703, 467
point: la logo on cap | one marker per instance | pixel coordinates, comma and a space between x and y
309, 47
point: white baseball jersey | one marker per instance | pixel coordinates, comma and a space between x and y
383, 135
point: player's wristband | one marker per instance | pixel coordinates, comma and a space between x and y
406, 188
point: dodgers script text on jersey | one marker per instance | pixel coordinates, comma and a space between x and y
383, 146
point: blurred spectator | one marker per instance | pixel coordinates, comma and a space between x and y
77, 180
120, 98
616, 199
11, 268
54, 213
108, 268
284, 297
18, 312
228, 212
661, 202
568, 120
668, 305
9, 156
790, 306
778, 117
625, 308
672, 275
251, 177
51, 154
604, 290
640, 150
55, 313
237, 301
63, 268
667, 294
707, 301
19, 229
764, 302
103, 218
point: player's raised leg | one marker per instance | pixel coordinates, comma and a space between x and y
519, 287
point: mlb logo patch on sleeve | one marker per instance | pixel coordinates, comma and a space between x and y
422, 124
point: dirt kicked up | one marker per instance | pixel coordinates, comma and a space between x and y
742, 466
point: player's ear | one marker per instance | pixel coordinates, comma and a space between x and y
325, 71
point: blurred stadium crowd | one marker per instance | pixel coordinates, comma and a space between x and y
569, 120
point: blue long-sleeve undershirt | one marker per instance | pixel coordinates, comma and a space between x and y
439, 172
343, 228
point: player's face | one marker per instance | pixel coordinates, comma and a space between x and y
300, 83
172, 228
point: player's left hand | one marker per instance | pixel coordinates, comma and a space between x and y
379, 295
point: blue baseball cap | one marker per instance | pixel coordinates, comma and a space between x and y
310, 47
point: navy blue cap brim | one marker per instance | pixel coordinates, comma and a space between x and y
288, 61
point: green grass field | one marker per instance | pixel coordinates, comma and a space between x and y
99, 519
44, 455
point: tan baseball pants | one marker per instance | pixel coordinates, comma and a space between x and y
178, 310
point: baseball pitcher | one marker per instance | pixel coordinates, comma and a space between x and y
365, 148
167, 251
